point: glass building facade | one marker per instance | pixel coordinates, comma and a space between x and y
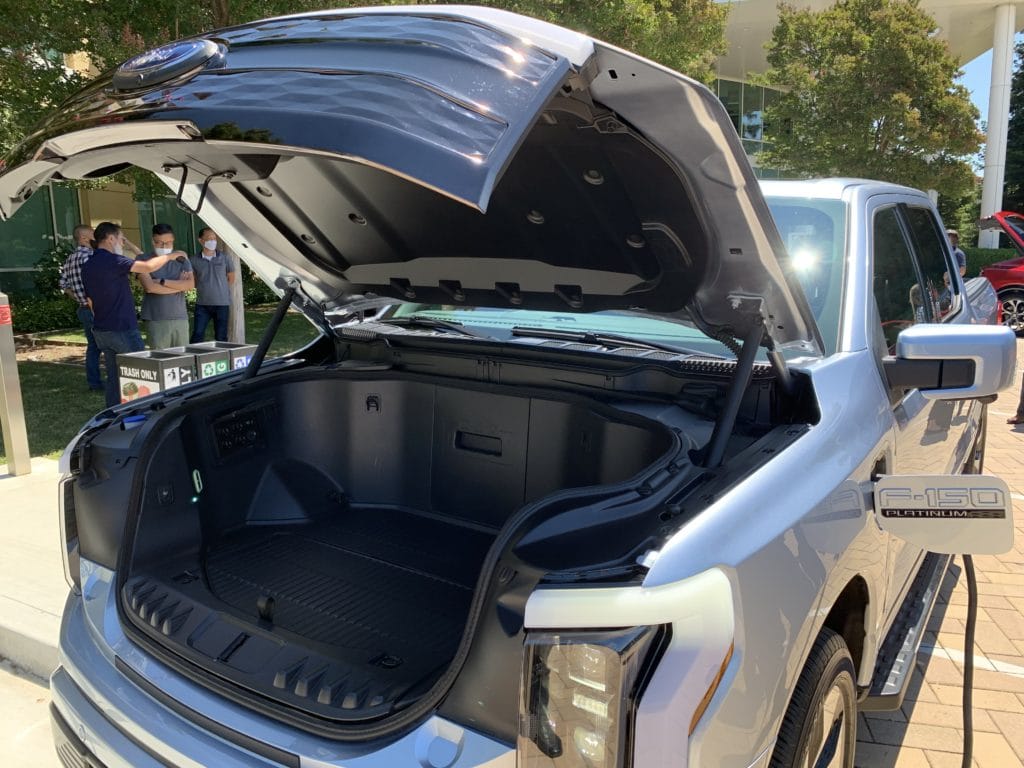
51, 213
746, 104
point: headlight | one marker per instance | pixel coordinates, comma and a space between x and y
69, 532
578, 695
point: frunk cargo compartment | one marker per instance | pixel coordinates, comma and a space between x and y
319, 541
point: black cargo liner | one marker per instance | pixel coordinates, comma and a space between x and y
319, 541
358, 617
357, 585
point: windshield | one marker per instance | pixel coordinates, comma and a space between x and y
814, 233
612, 329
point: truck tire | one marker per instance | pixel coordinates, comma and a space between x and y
819, 729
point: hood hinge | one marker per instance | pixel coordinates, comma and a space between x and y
753, 308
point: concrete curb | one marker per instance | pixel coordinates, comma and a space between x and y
28, 637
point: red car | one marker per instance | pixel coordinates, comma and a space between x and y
1007, 277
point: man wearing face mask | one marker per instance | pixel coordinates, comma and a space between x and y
105, 280
163, 305
213, 275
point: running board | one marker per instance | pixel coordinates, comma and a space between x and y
895, 665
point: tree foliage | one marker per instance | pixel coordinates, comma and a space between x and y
1013, 190
868, 91
683, 34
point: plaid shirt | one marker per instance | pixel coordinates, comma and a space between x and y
71, 273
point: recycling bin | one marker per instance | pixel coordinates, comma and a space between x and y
143, 373
209, 362
240, 354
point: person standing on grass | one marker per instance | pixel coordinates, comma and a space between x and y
213, 276
71, 283
163, 305
106, 284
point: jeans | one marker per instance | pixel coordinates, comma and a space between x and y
205, 313
92, 352
111, 344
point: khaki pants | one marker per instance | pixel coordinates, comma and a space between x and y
162, 334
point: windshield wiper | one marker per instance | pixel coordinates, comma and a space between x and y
429, 323
606, 340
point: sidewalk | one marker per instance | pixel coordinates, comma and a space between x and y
32, 586
928, 731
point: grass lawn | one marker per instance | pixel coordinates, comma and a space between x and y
57, 402
295, 330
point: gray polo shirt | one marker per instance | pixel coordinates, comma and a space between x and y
212, 280
165, 306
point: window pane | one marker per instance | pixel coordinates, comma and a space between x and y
65, 209
752, 112
168, 212
730, 93
28, 236
814, 232
930, 245
897, 288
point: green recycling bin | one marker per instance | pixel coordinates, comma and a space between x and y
240, 354
209, 362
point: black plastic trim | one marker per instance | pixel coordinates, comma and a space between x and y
898, 652
247, 743
71, 751
928, 374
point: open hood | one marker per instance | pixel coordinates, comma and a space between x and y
1010, 223
443, 154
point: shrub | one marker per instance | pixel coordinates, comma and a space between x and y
254, 290
34, 314
982, 257
47, 278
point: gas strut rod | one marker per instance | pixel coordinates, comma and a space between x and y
715, 449
268, 335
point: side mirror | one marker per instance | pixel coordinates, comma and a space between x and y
953, 362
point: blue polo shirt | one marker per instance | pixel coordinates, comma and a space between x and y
211, 275
105, 279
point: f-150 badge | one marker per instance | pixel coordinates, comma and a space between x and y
952, 514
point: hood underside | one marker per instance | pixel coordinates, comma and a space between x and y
443, 155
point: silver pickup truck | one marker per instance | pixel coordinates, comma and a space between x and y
586, 468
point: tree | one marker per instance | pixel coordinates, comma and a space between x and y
683, 34
1013, 190
868, 91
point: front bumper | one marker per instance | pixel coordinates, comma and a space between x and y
110, 721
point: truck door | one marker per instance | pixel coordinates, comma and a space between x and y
913, 283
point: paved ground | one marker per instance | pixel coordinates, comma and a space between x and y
25, 720
926, 733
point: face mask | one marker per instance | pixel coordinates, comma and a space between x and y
119, 249
210, 245
163, 251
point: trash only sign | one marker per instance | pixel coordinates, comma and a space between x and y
143, 373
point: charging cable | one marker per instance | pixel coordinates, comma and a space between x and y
972, 616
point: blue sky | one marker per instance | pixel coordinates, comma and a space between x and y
977, 79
